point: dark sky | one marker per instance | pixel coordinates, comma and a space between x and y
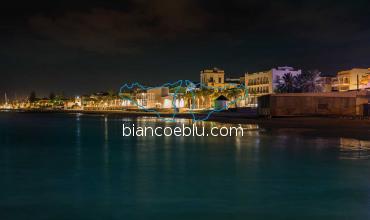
85, 46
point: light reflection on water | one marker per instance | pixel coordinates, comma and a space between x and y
78, 143
354, 149
284, 134
84, 164
349, 148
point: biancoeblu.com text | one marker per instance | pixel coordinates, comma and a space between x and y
181, 131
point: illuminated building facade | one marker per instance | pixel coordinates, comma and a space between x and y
213, 78
265, 82
348, 80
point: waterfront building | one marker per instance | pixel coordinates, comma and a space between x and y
145, 100
214, 78
365, 82
69, 105
159, 98
351, 103
43, 103
78, 101
89, 102
98, 101
348, 80
232, 82
265, 82
126, 99
75, 103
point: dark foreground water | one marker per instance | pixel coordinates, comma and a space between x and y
55, 166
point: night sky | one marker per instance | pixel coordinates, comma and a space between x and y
78, 47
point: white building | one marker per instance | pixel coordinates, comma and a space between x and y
349, 80
159, 97
265, 82
212, 77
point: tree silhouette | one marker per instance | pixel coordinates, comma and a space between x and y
32, 98
234, 94
287, 84
308, 81
51, 96
304, 82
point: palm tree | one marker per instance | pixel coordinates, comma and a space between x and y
32, 98
207, 94
189, 99
287, 84
197, 98
234, 94
308, 81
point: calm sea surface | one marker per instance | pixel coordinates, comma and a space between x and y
59, 166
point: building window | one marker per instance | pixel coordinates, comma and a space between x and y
219, 80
